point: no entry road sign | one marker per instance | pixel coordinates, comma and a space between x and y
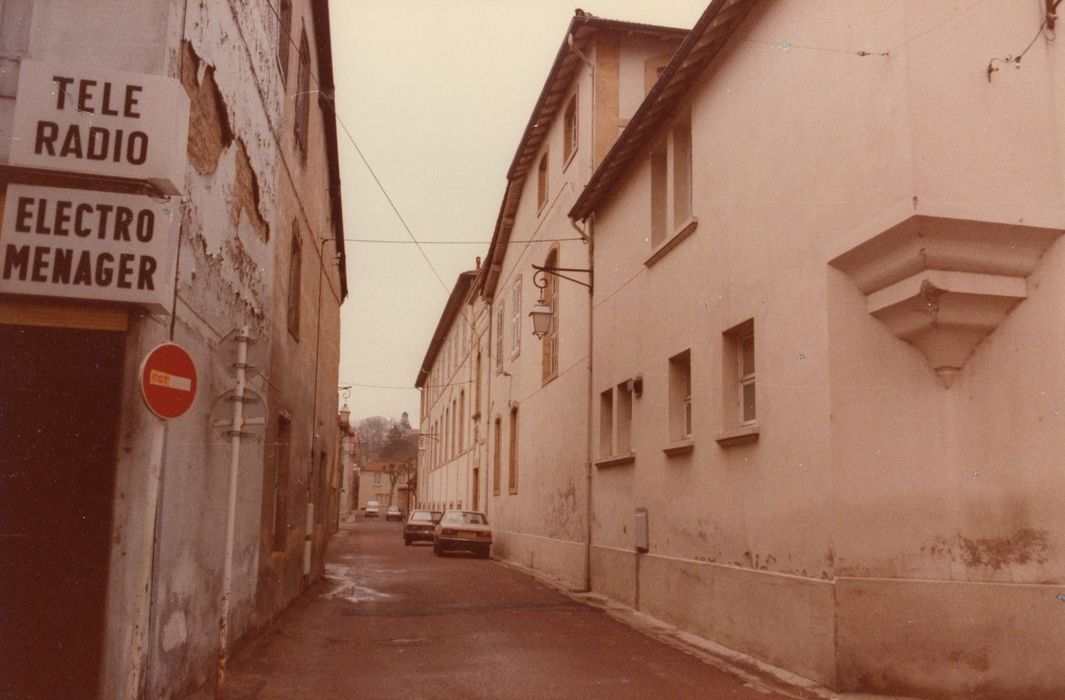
168, 380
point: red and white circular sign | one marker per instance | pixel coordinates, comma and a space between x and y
168, 380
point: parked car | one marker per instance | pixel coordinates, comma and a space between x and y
463, 530
393, 513
420, 524
372, 509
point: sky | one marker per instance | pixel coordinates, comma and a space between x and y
435, 95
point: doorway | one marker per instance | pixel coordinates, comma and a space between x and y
60, 395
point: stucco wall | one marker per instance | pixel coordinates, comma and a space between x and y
882, 497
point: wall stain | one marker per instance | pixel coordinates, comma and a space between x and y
1024, 546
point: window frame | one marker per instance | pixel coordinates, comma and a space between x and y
301, 119
570, 130
295, 281
512, 462
549, 344
500, 321
670, 161
738, 429
284, 39
542, 181
515, 318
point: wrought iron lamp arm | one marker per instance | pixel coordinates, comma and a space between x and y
540, 276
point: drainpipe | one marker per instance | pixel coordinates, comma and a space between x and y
591, 391
489, 425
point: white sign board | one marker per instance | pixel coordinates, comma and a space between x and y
78, 244
99, 122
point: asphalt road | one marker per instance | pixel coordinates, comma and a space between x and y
392, 621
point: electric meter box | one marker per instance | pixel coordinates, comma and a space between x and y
639, 530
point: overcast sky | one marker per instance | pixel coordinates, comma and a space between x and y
436, 94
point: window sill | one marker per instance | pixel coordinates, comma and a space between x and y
679, 447
672, 242
619, 461
744, 435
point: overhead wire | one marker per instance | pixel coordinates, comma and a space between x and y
373, 174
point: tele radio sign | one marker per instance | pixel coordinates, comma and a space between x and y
98, 122
78, 244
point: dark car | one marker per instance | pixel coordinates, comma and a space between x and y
463, 530
419, 525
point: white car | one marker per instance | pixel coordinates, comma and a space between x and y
393, 513
372, 509
463, 530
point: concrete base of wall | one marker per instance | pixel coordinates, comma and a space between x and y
559, 559
950, 639
927, 639
786, 621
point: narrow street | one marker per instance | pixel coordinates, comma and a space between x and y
392, 621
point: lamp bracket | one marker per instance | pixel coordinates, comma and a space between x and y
540, 277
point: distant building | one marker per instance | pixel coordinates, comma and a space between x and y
387, 483
347, 449
168, 172
453, 390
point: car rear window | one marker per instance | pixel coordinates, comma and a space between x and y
422, 516
459, 518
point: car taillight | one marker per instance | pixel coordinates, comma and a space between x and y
448, 531
484, 534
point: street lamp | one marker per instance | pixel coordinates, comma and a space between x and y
541, 313
541, 317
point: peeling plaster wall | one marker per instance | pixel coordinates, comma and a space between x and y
244, 187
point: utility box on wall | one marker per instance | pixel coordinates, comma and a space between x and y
639, 530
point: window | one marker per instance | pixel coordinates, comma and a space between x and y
606, 423
659, 195
680, 397
746, 378
377, 478
477, 385
671, 185
512, 472
569, 130
549, 344
284, 39
499, 337
740, 388
623, 430
303, 94
295, 264
282, 457
447, 433
497, 457
682, 172
462, 421
541, 183
515, 318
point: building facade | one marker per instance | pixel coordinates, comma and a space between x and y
181, 186
827, 356
452, 384
536, 418
388, 483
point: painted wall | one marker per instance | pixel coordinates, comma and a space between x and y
884, 533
